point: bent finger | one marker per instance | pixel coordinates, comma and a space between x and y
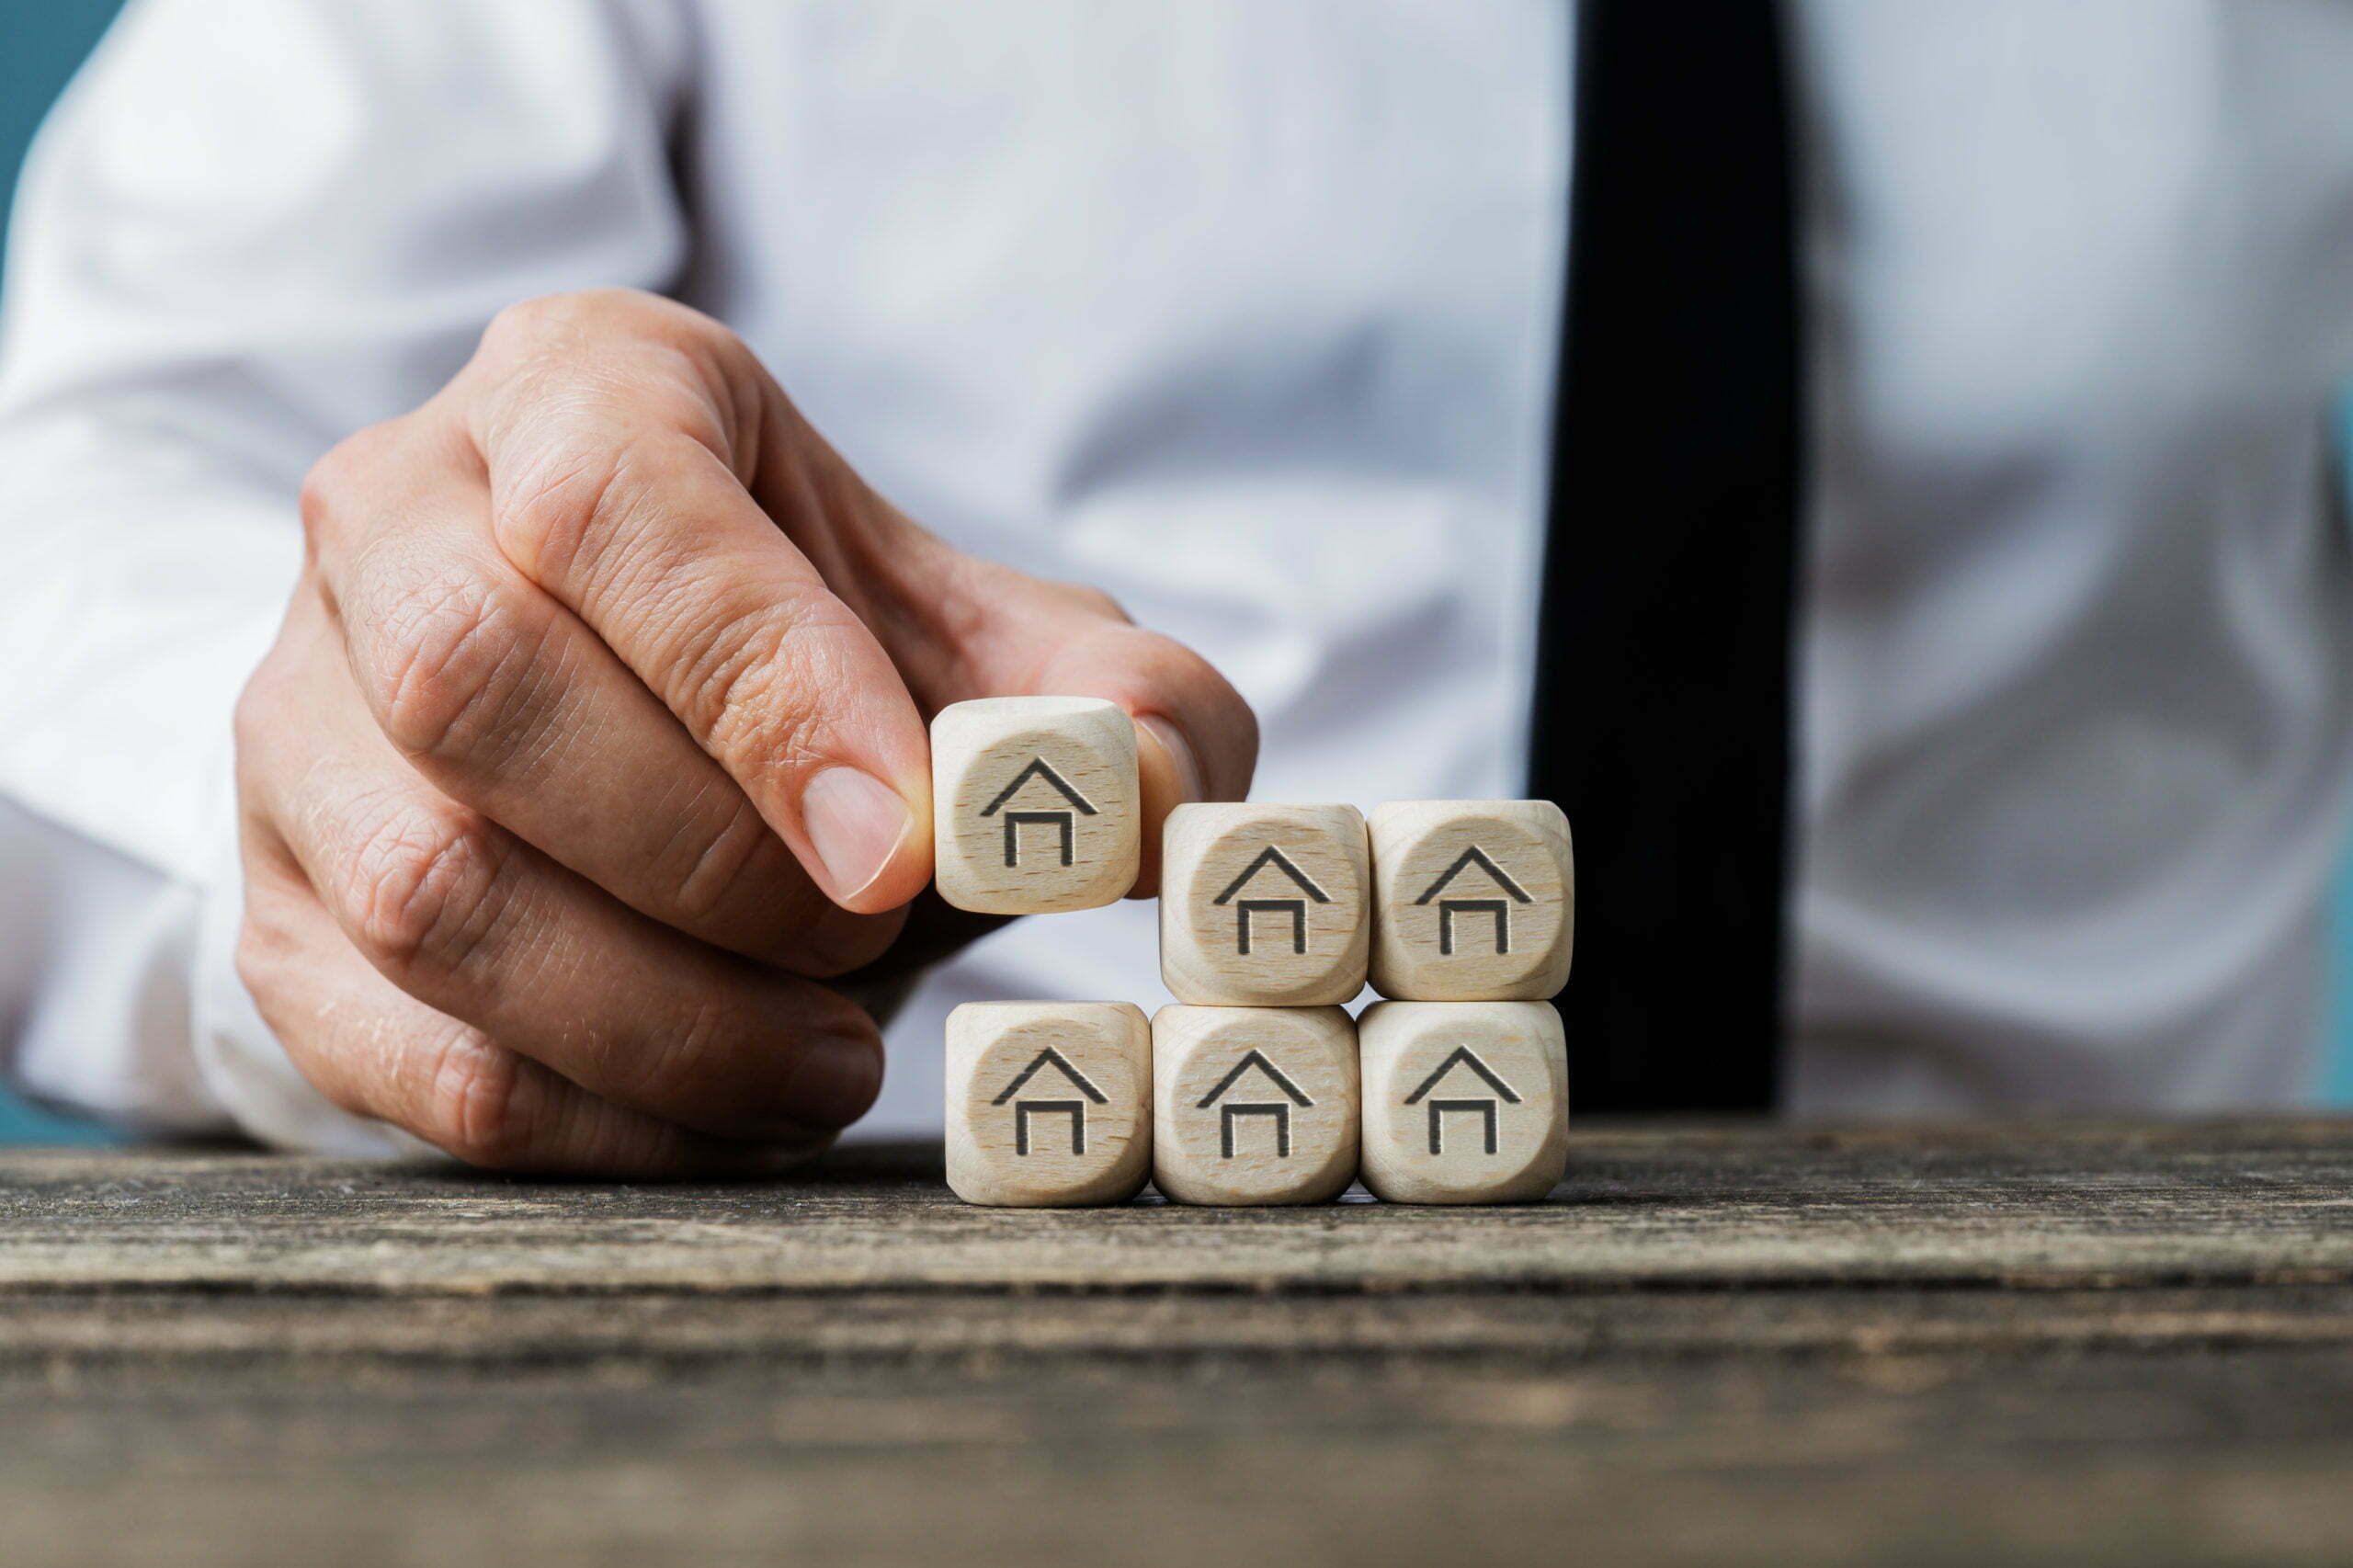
501, 698
476, 925
965, 627
629, 498
374, 1050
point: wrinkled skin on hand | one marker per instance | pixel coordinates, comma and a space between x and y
584, 794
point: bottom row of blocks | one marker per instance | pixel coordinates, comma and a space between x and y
1075, 1103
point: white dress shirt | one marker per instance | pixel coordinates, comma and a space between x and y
1247, 312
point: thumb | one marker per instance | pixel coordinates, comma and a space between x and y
959, 627
1196, 738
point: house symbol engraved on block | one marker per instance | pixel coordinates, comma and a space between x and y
1482, 1106
1232, 1110
1066, 821
1294, 907
1448, 908
1023, 1108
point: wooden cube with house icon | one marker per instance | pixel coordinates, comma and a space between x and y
1464, 1102
1264, 905
1035, 804
1253, 1105
1473, 900
1049, 1103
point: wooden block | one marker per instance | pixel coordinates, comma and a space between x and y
1473, 900
1253, 1105
1049, 1103
1034, 803
1464, 1102
1264, 905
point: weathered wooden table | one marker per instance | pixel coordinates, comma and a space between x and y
2064, 1344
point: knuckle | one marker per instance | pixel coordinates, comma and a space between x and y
286, 991
739, 867
1188, 670
525, 327
324, 488
758, 681
1178, 668
563, 323
260, 956
424, 887
668, 324
443, 662
598, 401
257, 710
1095, 601
582, 489
340, 483
479, 1102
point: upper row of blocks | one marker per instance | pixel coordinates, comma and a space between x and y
1261, 904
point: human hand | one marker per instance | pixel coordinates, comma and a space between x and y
594, 740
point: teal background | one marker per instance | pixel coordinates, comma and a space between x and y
40, 43
39, 48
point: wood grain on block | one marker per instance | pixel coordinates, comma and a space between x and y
1049, 1103
1253, 1105
1034, 803
1264, 905
1473, 900
1464, 1102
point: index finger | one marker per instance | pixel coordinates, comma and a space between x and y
619, 473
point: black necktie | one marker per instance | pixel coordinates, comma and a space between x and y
1662, 715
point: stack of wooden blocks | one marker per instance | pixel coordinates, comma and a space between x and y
1255, 1086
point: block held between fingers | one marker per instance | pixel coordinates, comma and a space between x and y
1038, 805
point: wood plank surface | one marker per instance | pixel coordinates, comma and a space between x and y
2049, 1343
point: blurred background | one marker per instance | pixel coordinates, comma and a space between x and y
45, 40
40, 43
